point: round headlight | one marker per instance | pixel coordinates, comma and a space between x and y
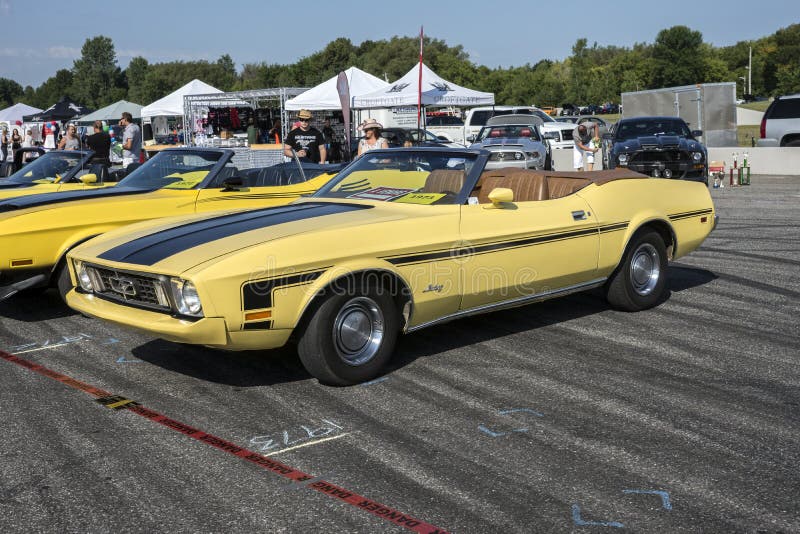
517, 155
697, 156
190, 298
83, 277
623, 159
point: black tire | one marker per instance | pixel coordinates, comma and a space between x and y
331, 347
640, 279
548, 162
63, 281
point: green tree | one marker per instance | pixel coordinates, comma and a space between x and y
98, 80
678, 57
135, 75
10, 92
53, 89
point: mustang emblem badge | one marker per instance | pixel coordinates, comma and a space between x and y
124, 286
397, 88
441, 86
431, 287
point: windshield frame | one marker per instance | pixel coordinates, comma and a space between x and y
224, 159
84, 157
470, 179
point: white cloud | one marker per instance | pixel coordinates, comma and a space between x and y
5, 7
53, 52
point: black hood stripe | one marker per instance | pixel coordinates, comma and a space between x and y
45, 199
152, 248
15, 185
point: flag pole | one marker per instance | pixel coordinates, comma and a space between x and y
419, 89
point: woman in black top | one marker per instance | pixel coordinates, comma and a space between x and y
16, 142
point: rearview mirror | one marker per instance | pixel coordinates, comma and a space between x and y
500, 196
232, 184
88, 179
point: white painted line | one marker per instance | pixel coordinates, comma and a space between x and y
307, 444
43, 348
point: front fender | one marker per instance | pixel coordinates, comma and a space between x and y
351, 268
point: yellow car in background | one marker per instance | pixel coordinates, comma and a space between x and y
36, 231
400, 240
55, 171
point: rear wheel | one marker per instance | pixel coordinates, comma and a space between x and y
350, 336
639, 281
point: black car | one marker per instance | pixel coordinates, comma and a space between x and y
657, 146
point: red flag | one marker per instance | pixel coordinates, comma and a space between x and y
419, 88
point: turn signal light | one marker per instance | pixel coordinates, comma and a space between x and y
252, 316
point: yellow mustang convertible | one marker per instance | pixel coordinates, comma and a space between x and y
54, 171
400, 240
36, 231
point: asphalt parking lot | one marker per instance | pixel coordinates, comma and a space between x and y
564, 416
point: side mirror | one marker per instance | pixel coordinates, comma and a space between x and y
697, 133
88, 179
232, 184
471, 138
500, 196
608, 136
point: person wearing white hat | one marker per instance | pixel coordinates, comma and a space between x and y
372, 136
304, 141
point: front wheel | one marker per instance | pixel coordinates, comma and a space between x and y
350, 336
639, 281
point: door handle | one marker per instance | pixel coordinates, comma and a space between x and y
579, 215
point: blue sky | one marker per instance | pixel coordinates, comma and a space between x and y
40, 37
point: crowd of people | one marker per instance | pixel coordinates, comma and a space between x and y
70, 138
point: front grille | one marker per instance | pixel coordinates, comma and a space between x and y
666, 156
130, 288
507, 155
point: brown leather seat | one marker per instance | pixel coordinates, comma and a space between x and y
527, 185
444, 181
558, 186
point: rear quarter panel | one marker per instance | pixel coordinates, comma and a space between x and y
624, 206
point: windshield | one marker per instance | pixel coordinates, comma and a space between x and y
48, 168
511, 130
178, 169
633, 129
403, 176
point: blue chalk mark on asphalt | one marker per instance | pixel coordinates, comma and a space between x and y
498, 434
111, 341
122, 359
664, 496
576, 517
376, 381
517, 410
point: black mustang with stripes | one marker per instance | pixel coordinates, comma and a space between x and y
400, 240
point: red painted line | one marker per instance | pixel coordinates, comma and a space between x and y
273, 466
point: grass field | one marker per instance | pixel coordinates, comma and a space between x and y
745, 134
756, 106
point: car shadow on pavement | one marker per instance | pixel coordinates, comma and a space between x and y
263, 368
35, 305
242, 368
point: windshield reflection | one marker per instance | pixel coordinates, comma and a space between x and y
183, 169
48, 168
403, 176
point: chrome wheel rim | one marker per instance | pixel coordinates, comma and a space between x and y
358, 331
645, 269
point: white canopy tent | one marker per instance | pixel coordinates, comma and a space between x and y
325, 95
172, 104
436, 91
15, 113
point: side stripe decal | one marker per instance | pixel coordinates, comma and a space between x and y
258, 295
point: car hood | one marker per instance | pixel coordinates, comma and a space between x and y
307, 228
52, 200
658, 142
504, 141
